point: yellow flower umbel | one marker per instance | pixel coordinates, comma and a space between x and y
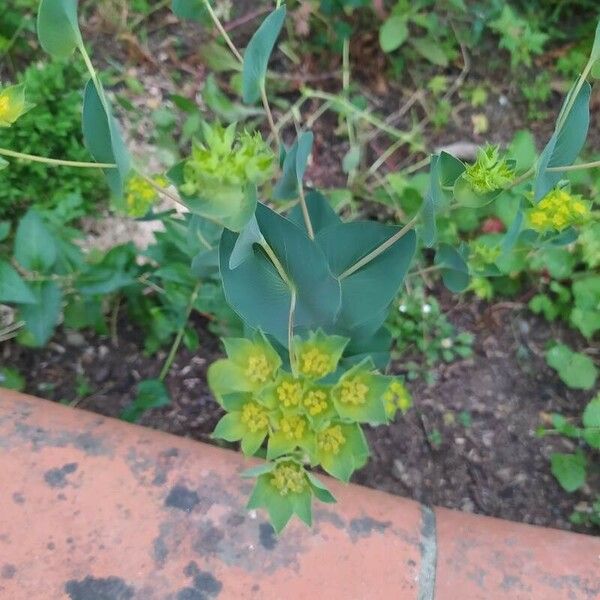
255, 417
331, 440
289, 478
557, 211
318, 356
251, 366
13, 104
288, 392
316, 401
293, 427
397, 397
140, 195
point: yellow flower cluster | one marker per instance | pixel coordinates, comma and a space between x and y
314, 363
255, 417
258, 369
396, 398
331, 439
316, 402
354, 391
558, 210
289, 478
293, 427
289, 393
140, 195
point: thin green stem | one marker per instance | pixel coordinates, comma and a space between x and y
222, 31
277, 264
267, 107
380, 249
160, 189
305, 214
291, 330
579, 167
345, 104
524, 177
177, 342
55, 161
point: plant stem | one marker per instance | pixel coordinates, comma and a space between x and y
524, 177
175, 347
222, 31
380, 249
362, 114
305, 214
277, 264
54, 161
580, 167
291, 329
267, 107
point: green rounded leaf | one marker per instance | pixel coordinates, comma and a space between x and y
393, 33
569, 469
258, 53
57, 27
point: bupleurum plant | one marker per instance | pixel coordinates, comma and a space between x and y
312, 290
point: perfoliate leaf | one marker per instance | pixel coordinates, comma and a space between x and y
57, 27
565, 144
103, 139
257, 292
258, 53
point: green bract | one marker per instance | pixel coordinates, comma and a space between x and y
220, 178
13, 104
490, 172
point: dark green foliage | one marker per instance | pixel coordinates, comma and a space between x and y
52, 129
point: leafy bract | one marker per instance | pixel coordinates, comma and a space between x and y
258, 53
565, 144
103, 138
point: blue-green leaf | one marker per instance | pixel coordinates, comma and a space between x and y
57, 27
565, 144
257, 292
368, 291
455, 271
294, 167
191, 10
258, 53
103, 139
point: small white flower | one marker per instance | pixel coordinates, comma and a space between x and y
447, 343
402, 308
426, 308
